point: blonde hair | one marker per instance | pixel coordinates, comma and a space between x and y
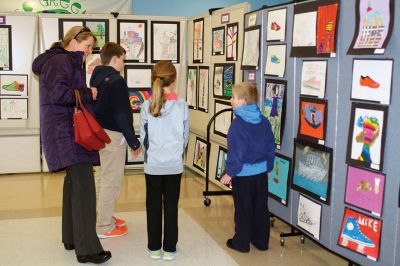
163, 75
247, 91
79, 33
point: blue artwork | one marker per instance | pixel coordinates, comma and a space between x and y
278, 179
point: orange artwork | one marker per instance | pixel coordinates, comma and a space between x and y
312, 119
326, 28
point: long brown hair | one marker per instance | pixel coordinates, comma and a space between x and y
163, 75
79, 33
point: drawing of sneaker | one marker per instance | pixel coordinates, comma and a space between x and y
352, 232
275, 26
369, 82
312, 83
14, 86
275, 59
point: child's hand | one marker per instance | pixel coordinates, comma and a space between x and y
135, 153
94, 93
226, 179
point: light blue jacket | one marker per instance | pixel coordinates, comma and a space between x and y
164, 138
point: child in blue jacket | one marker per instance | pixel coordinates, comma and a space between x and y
251, 152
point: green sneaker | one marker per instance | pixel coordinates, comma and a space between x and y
154, 254
170, 255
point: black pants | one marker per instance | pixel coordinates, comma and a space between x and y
79, 210
250, 196
162, 191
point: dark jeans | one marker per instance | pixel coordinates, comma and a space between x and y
162, 191
250, 196
79, 210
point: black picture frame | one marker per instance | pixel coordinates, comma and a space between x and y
26, 84
203, 154
308, 124
144, 47
228, 106
213, 52
174, 60
275, 174
26, 103
246, 31
200, 60
195, 93
10, 61
200, 108
228, 27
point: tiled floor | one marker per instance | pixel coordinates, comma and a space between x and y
27, 196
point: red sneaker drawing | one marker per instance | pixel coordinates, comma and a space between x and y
369, 82
275, 26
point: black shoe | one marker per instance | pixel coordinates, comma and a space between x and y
69, 246
230, 245
95, 258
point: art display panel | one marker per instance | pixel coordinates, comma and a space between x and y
12, 108
313, 78
198, 40
276, 60
276, 25
313, 115
218, 41
14, 85
309, 216
251, 48
232, 39
223, 121
278, 179
132, 36
5, 47
191, 92
200, 154
203, 89
165, 41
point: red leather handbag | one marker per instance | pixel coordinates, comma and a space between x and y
88, 133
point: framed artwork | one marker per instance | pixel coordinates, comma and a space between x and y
313, 119
218, 80
12, 108
225, 18
367, 132
92, 61
275, 107
374, 26
138, 76
5, 47
312, 170
200, 154
139, 160
132, 36
372, 80
276, 25
251, 48
228, 80
304, 36
165, 41
309, 216
365, 189
218, 41
313, 78
251, 75
221, 164
276, 60
14, 85
278, 179
191, 93
361, 233
203, 90
198, 40
223, 121
232, 38
326, 29
64, 25
137, 97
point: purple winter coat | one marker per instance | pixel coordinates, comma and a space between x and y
60, 73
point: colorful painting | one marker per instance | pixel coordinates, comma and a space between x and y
313, 78
198, 40
137, 97
326, 28
228, 80
139, 160
191, 89
221, 164
278, 179
251, 48
5, 47
276, 25
372, 80
309, 216
305, 29
132, 36
218, 41
274, 107
365, 189
361, 233
312, 170
100, 29
200, 154
12, 108
203, 90
165, 41
312, 119
218, 80
222, 121
138, 76
276, 60
367, 135
232, 32
374, 25
92, 61
14, 85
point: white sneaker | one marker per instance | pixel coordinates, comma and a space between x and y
168, 256
154, 254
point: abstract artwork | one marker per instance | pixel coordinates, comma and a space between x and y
274, 107
5, 47
313, 78
139, 160
276, 25
223, 121
326, 29
365, 189
191, 88
99, 28
374, 25
276, 60
312, 119
92, 61
165, 41
221, 163
228, 80
138, 76
278, 179
218, 41
309, 216
312, 170
132, 36
217, 81
198, 40
367, 135
137, 97
372, 80
14, 85
361, 233
203, 90
251, 48
232, 37
200, 154
14, 108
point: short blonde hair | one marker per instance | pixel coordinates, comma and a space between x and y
247, 91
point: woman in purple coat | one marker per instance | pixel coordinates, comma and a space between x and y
60, 73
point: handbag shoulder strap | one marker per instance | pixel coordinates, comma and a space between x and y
78, 101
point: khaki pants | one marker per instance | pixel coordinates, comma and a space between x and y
109, 180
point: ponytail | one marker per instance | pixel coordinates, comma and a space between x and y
158, 97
